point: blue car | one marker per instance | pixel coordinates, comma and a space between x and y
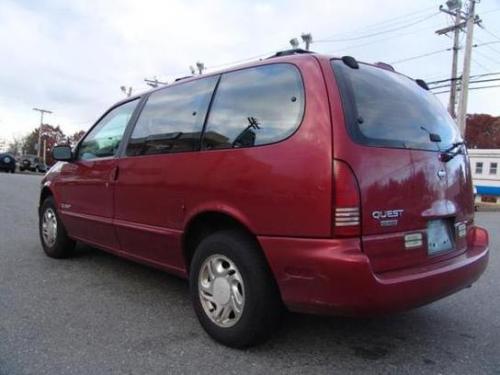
7, 163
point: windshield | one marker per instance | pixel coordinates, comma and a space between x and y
388, 109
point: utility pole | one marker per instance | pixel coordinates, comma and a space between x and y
462, 104
454, 10
45, 151
454, 66
39, 145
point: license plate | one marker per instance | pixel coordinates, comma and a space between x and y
438, 237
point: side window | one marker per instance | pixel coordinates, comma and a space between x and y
255, 106
104, 139
493, 168
172, 119
479, 167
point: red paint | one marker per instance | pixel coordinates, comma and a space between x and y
285, 194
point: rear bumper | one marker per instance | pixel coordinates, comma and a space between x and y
334, 276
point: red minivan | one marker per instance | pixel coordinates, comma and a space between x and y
303, 181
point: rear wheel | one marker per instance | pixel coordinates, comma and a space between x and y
233, 292
55, 240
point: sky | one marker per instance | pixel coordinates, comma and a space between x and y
72, 57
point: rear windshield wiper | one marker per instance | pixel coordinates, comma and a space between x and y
449, 154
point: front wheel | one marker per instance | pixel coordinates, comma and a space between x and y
233, 291
55, 240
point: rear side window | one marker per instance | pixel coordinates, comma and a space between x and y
172, 119
255, 106
387, 109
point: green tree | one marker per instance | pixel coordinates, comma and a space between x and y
51, 135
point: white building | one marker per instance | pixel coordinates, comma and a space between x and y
485, 165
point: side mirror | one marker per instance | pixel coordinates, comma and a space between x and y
62, 153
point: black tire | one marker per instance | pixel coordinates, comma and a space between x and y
13, 170
63, 246
262, 308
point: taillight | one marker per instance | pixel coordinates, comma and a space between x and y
346, 201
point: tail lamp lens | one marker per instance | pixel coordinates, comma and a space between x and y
346, 201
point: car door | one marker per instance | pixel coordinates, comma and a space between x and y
86, 184
151, 183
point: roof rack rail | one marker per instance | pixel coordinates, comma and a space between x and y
181, 78
288, 52
385, 66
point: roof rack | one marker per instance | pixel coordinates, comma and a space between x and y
288, 52
181, 78
385, 66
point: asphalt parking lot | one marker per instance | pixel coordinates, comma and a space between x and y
98, 314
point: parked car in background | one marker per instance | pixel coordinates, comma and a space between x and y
7, 162
317, 183
32, 163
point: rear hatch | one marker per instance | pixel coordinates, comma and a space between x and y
414, 206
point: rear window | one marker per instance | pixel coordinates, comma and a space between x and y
388, 109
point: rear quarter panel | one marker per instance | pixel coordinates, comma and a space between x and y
281, 189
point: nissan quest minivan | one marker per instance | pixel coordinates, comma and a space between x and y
300, 182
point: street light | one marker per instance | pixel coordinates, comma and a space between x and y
200, 66
307, 39
126, 91
294, 43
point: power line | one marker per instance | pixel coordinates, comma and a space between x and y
479, 64
421, 56
458, 78
477, 81
390, 21
488, 44
470, 88
491, 11
377, 33
488, 57
383, 39
492, 34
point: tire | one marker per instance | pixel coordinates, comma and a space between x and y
58, 244
13, 170
247, 271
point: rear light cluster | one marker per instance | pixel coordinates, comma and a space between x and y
346, 216
347, 222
